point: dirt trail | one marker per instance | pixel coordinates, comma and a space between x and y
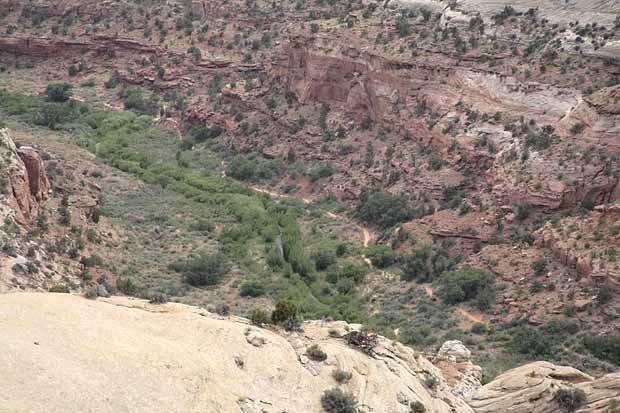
474, 318
366, 235
429, 291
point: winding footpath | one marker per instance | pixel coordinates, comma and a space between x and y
366, 238
461, 310
365, 233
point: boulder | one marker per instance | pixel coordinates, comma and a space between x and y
530, 388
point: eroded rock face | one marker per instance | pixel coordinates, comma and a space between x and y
41, 47
530, 388
573, 239
27, 185
606, 100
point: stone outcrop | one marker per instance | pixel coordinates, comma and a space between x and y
42, 47
545, 192
573, 240
530, 388
27, 185
144, 357
606, 100
548, 237
461, 374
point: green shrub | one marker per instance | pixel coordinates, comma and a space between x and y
416, 334
223, 309
203, 270
251, 288
158, 298
540, 266
479, 328
93, 261
569, 310
345, 285
126, 286
464, 284
384, 209
341, 376
431, 381
284, 311
322, 170
59, 288
337, 401
531, 342
315, 353
522, 212
349, 271
202, 225
259, 317
58, 92
537, 287
604, 295
417, 407
53, 115
569, 400
425, 263
577, 128
203, 133
133, 99
91, 293
380, 255
604, 347
323, 258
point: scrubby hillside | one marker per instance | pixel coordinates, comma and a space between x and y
433, 170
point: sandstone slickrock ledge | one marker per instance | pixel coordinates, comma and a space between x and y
530, 389
63, 353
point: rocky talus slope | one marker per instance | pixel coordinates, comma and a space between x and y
65, 353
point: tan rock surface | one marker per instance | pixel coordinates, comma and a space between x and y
530, 389
63, 353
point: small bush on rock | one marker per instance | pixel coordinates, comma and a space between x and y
285, 310
315, 353
417, 407
341, 376
260, 317
337, 401
570, 400
59, 288
158, 298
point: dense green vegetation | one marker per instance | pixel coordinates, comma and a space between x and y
604, 347
129, 141
467, 284
426, 262
385, 209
